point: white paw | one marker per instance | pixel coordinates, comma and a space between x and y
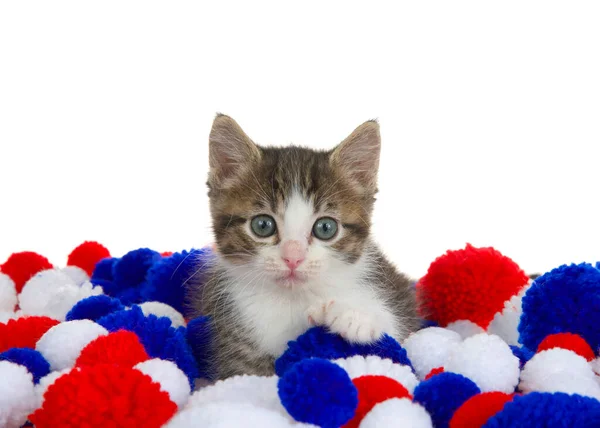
353, 325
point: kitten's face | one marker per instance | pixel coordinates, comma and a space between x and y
291, 216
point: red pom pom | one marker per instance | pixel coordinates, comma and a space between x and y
122, 348
476, 411
373, 390
24, 332
470, 284
104, 396
570, 341
87, 255
167, 253
21, 267
433, 372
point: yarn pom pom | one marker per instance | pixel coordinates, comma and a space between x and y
443, 394
103, 396
129, 275
547, 410
86, 255
62, 344
199, 336
171, 380
8, 293
35, 363
522, 353
77, 275
476, 411
318, 392
465, 328
24, 332
318, 342
506, 323
168, 277
470, 284
103, 274
397, 412
572, 342
17, 395
371, 391
564, 300
488, 361
159, 338
163, 310
21, 267
122, 348
94, 307
430, 348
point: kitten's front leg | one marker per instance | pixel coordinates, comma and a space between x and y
364, 323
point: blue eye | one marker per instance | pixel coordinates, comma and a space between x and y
325, 228
263, 226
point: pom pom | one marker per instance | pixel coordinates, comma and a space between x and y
564, 300
86, 255
488, 361
371, 391
443, 394
171, 380
506, 323
434, 372
163, 310
62, 344
102, 396
167, 278
78, 275
24, 332
35, 363
103, 274
20, 267
359, 365
122, 348
547, 410
465, 328
45, 382
199, 336
522, 353
8, 294
568, 341
17, 395
430, 348
129, 275
157, 335
318, 392
226, 415
476, 411
94, 307
397, 412
318, 342
470, 284
559, 370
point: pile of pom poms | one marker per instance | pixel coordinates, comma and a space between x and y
107, 341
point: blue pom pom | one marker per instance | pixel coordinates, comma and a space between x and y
102, 274
443, 394
168, 278
522, 353
564, 300
199, 337
129, 275
542, 409
159, 338
318, 392
30, 358
318, 342
94, 307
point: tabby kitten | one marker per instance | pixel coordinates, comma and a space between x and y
293, 249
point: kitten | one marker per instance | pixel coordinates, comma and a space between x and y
292, 233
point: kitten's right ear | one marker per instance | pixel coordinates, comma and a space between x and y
231, 151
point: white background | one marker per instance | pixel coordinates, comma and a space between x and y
490, 117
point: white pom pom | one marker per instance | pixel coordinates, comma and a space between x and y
171, 379
559, 370
163, 310
46, 382
429, 348
62, 344
359, 365
17, 395
506, 323
7, 316
465, 328
488, 361
397, 413
226, 415
61, 303
8, 293
43, 288
78, 275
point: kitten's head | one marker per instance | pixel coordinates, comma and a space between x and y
290, 216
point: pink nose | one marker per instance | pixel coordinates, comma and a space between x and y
293, 253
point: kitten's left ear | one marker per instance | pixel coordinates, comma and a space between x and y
357, 156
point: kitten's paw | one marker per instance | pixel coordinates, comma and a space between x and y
353, 325
316, 313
